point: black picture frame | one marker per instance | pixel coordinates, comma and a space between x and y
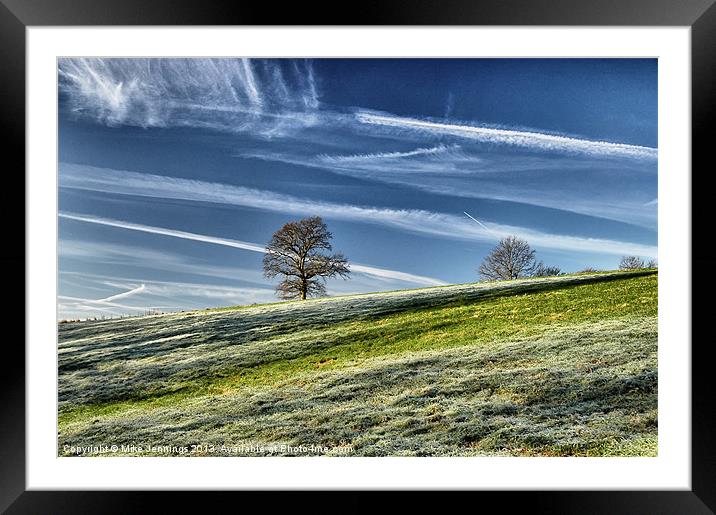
700, 15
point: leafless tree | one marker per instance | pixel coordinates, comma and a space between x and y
512, 258
631, 263
296, 252
652, 263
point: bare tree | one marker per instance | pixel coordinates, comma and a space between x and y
652, 263
631, 263
510, 259
295, 253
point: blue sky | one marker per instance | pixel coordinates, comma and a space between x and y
175, 173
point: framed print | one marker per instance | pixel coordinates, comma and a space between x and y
434, 249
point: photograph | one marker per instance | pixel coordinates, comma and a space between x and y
357, 257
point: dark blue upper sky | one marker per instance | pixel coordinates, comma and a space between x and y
173, 173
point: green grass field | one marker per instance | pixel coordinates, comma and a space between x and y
537, 367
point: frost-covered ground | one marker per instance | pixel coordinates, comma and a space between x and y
554, 366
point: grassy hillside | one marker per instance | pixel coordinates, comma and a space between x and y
554, 366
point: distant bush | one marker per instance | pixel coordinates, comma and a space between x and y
588, 270
546, 271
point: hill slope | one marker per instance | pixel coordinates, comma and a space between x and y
554, 366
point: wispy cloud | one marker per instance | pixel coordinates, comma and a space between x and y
157, 186
231, 294
383, 273
537, 141
578, 184
142, 258
262, 96
412, 220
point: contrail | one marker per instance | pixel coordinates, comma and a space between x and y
527, 139
123, 294
253, 247
479, 222
165, 232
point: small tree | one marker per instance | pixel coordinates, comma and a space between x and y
652, 263
295, 253
631, 263
512, 258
